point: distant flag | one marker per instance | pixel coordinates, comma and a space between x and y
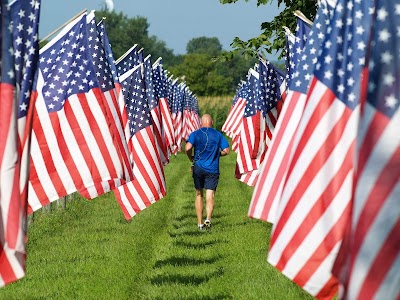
268, 190
268, 93
148, 184
73, 143
369, 259
315, 203
273, 85
252, 138
236, 111
18, 56
155, 110
177, 112
160, 86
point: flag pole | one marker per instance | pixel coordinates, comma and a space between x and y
60, 27
155, 64
125, 54
299, 14
147, 57
288, 32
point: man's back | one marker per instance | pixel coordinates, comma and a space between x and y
207, 143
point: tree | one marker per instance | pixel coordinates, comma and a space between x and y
200, 74
204, 45
124, 32
273, 37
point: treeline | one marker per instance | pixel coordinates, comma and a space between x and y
197, 68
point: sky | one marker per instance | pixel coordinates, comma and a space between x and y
175, 22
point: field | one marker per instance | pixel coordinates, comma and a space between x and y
89, 251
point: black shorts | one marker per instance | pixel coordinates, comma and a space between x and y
204, 180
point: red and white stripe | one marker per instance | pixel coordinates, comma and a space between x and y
268, 189
69, 153
177, 119
13, 210
315, 204
159, 134
148, 184
234, 119
167, 125
371, 249
251, 149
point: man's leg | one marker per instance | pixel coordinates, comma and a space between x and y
199, 206
209, 203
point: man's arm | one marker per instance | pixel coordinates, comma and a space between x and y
224, 152
188, 148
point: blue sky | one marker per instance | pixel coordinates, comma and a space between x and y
173, 21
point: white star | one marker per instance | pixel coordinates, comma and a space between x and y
388, 79
23, 106
382, 14
391, 101
384, 36
386, 57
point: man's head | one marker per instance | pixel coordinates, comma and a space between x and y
206, 121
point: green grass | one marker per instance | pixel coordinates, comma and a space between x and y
89, 251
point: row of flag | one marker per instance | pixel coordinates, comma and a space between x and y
73, 119
328, 177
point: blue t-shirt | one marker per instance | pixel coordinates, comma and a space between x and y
207, 143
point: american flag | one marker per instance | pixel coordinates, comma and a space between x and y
315, 203
236, 124
128, 60
73, 146
295, 47
101, 29
155, 110
262, 110
236, 111
268, 190
251, 135
191, 121
160, 87
273, 85
148, 184
106, 78
177, 112
289, 51
19, 50
369, 258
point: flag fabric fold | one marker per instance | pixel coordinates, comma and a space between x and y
19, 51
268, 189
369, 259
74, 145
148, 183
315, 203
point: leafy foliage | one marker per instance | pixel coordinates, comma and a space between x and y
124, 32
272, 40
206, 45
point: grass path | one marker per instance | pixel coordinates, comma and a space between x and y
89, 251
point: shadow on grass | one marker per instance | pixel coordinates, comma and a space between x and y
197, 246
214, 297
186, 216
185, 261
181, 224
188, 233
185, 279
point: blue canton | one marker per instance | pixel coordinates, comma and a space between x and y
66, 67
344, 49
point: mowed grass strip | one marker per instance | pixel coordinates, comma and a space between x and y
89, 251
